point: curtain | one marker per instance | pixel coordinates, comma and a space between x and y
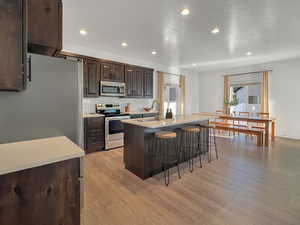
264, 96
226, 93
164, 81
182, 97
161, 92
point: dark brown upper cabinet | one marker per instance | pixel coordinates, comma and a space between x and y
148, 83
13, 45
44, 26
91, 74
113, 72
139, 82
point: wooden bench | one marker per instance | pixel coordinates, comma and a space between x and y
259, 133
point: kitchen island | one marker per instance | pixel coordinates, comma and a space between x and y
139, 136
41, 182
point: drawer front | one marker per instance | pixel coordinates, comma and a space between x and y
93, 147
95, 132
96, 139
95, 123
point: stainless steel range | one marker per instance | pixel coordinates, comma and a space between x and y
114, 128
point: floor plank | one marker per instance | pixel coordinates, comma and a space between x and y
248, 185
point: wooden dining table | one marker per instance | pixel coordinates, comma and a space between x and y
268, 122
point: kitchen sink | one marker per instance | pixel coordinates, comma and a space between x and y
147, 120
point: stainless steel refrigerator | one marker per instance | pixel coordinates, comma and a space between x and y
49, 107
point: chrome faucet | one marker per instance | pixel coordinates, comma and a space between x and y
153, 103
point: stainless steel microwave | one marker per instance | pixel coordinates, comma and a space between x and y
112, 89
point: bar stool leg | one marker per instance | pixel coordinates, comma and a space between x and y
215, 143
178, 151
191, 157
167, 173
199, 149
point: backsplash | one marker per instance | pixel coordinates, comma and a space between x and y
135, 104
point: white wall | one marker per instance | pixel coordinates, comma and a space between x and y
284, 93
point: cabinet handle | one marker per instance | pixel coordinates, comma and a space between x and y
29, 69
81, 183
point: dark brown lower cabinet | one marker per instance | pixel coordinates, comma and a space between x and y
94, 134
13, 45
45, 195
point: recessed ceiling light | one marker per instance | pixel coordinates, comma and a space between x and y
185, 12
194, 64
249, 53
83, 32
124, 44
215, 30
154, 52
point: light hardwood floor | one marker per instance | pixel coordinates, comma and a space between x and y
246, 186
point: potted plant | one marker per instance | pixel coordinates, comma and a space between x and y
233, 102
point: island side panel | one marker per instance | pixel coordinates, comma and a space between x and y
134, 150
45, 195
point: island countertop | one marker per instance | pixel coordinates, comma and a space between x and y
153, 123
28, 154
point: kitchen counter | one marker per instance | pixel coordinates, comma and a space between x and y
144, 112
178, 120
28, 154
92, 115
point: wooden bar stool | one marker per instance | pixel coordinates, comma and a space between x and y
190, 143
166, 146
209, 139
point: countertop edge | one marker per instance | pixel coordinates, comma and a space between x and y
140, 113
14, 167
92, 115
39, 163
166, 125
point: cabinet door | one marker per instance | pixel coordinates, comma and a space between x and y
106, 74
148, 83
129, 77
139, 83
118, 73
51, 192
113, 72
45, 26
13, 45
134, 77
91, 78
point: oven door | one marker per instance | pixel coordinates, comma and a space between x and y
114, 131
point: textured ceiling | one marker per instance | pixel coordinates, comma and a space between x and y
267, 28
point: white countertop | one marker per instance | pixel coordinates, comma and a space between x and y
92, 115
28, 154
143, 112
152, 123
